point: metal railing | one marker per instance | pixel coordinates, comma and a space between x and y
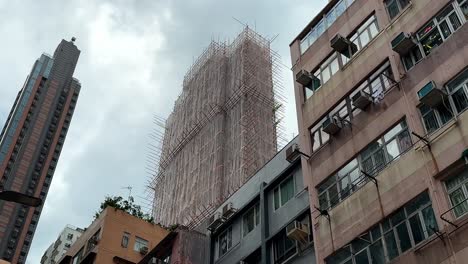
452, 210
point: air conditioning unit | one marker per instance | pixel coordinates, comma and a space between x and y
361, 100
292, 153
402, 43
215, 221
331, 125
228, 211
297, 231
431, 95
144, 250
343, 45
304, 77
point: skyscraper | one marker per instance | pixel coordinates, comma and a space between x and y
31, 142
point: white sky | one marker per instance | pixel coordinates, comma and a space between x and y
134, 55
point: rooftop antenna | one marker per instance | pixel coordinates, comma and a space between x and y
240, 22
129, 188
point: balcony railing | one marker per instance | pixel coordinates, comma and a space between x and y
458, 210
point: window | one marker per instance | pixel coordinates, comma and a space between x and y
69, 236
284, 192
396, 234
284, 248
458, 91
225, 241
251, 219
364, 34
140, 243
376, 85
436, 31
394, 7
77, 258
457, 188
125, 240
434, 118
335, 12
371, 159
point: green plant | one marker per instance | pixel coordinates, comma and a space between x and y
127, 206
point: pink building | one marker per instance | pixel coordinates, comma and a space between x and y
381, 92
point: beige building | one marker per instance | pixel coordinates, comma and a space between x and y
115, 237
381, 92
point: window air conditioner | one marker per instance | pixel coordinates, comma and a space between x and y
307, 79
430, 95
361, 100
228, 211
144, 250
402, 43
215, 221
297, 231
292, 153
331, 125
343, 45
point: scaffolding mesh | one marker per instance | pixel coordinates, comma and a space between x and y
225, 125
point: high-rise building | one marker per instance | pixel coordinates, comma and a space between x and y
65, 240
381, 95
221, 131
31, 142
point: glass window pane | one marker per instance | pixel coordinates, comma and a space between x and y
416, 229
325, 136
456, 198
430, 121
377, 253
392, 8
445, 29
397, 217
325, 75
333, 195
316, 140
464, 8
358, 244
403, 237
362, 258
429, 220
395, 130
458, 81
379, 159
454, 21
323, 201
376, 233
364, 38
392, 249
417, 203
344, 185
404, 140
392, 150
432, 40
373, 30
276, 198
334, 66
340, 8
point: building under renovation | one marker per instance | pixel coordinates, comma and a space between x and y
223, 128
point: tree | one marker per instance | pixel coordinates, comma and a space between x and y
127, 206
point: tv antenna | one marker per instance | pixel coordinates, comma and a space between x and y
129, 188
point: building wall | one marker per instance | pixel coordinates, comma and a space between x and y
64, 241
31, 142
419, 168
259, 189
111, 225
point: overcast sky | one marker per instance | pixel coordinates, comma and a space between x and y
134, 55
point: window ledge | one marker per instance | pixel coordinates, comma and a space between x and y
227, 253
402, 12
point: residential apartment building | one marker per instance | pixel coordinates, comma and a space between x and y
31, 142
114, 237
56, 250
267, 220
381, 92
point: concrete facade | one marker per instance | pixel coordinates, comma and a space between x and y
65, 240
115, 237
258, 243
427, 163
31, 142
